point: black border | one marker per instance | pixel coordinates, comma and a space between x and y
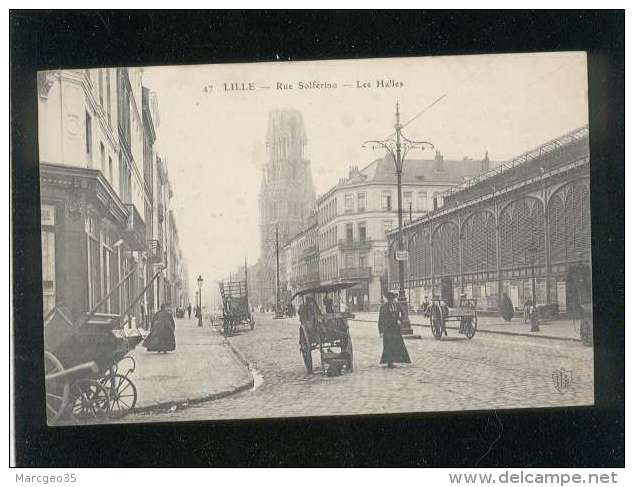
590, 437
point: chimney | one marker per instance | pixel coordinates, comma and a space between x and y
486, 164
438, 161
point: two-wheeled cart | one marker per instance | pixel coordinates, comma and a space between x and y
465, 314
325, 329
87, 366
235, 306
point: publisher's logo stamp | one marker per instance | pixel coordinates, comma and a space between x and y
562, 379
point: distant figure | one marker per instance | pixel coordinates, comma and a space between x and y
328, 305
528, 305
390, 316
143, 323
161, 337
189, 311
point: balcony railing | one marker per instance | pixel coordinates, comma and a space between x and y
346, 244
310, 250
135, 229
355, 273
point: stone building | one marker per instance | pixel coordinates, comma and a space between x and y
286, 194
355, 216
528, 215
345, 239
96, 169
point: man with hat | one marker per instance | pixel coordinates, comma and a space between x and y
390, 318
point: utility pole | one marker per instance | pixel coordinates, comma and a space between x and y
398, 149
278, 311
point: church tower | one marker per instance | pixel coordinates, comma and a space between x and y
287, 194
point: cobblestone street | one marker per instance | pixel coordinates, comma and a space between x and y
488, 372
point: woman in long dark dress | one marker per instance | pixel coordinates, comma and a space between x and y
390, 317
161, 337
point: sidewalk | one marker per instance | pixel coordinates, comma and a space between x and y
203, 367
557, 329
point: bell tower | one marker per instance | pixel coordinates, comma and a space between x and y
287, 193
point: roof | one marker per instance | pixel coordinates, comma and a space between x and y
438, 170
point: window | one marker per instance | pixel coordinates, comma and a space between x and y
386, 201
363, 260
436, 199
349, 261
89, 138
349, 232
362, 232
102, 157
110, 175
422, 201
360, 201
407, 201
349, 203
48, 257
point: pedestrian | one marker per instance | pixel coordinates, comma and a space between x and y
528, 304
390, 318
189, 311
161, 338
143, 316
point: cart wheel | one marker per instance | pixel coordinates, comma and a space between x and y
304, 349
470, 326
89, 400
57, 395
350, 353
436, 320
122, 393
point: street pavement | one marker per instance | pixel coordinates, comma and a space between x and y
555, 329
202, 367
490, 371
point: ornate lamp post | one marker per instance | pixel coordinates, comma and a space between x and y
398, 147
200, 300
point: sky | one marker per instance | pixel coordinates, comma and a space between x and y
214, 138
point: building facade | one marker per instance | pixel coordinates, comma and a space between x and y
96, 196
286, 196
345, 240
529, 216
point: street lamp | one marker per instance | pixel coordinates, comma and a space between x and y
200, 300
398, 148
530, 255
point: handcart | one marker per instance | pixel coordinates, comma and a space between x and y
466, 314
235, 306
87, 366
325, 329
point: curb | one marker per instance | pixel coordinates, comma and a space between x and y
181, 404
495, 332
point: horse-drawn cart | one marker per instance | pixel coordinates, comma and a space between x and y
235, 306
326, 329
465, 314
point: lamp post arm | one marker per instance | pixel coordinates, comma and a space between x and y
381, 143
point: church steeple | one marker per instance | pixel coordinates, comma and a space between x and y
287, 193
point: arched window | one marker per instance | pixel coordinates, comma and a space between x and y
569, 222
521, 226
446, 250
478, 243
